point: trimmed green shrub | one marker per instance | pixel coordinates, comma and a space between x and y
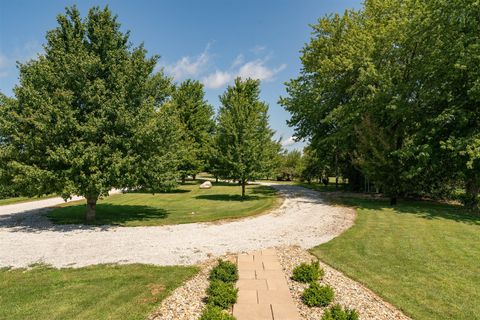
225, 271
215, 313
336, 312
221, 294
317, 296
307, 272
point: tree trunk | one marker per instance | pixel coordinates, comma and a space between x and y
91, 208
216, 179
194, 177
183, 179
393, 200
472, 189
243, 188
336, 171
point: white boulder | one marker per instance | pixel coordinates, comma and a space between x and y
206, 185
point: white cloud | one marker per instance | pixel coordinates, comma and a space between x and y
258, 49
256, 69
188, 66
217, 79
238, 60
198, 68
288, 142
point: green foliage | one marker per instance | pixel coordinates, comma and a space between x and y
290, 165
307, 272
336, 312
317, 296
225, 271
244, 138
197, 124
87, 116
215, 313
391, 90
221, 294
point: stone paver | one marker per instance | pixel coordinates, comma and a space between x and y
263, 292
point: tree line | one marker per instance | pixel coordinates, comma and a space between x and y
391, 93
91, 114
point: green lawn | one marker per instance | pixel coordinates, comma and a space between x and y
23, 199
185, 205
422, 257
95, 292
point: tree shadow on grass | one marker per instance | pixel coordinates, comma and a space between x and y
107, 214
422, 208
226, 197
72, 218
153, 192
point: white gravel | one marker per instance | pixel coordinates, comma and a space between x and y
303, 219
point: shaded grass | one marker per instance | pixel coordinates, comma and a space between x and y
187, 204
421, 256
95, 292
24, 199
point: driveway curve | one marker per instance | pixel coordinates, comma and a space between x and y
304, 219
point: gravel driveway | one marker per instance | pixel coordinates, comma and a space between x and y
303, 219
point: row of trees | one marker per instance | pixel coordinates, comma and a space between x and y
391, 93
90, 114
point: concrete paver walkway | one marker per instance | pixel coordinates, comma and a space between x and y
263, 292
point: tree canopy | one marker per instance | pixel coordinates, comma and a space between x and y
196, 118
244, 138
87, 115
391, 91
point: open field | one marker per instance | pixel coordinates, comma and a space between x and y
420, 256
186, 204
95, 292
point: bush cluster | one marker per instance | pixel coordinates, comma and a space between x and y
317, 296
307, 272
336, 312
225, 271
215, 313
221, 294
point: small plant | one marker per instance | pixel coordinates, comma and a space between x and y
225, 271
221, 294
336, 312
317, 296
307, 272
215, 313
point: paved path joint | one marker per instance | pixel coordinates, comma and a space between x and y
263, 292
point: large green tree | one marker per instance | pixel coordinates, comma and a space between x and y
447, 69
390, 90
196, 118
244, 138
87, 117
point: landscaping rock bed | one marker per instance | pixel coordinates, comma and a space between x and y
348, 292
188, 301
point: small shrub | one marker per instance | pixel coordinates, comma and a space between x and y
307, 272
336, 312
221, 294
225, 271
215, 313
317, 296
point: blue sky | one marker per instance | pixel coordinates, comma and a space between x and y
211, 40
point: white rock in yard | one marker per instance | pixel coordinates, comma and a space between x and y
206, 185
